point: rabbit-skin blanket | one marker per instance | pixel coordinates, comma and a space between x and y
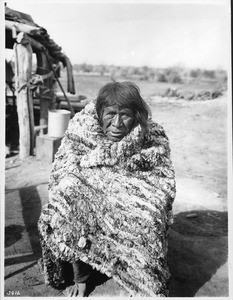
110, 205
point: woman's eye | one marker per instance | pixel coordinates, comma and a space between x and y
126, 115
110, 114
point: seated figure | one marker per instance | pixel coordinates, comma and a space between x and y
111, 192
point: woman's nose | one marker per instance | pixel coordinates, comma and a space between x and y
117, 121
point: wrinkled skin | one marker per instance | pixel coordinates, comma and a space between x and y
117, 122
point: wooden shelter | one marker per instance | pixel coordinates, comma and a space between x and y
25, 38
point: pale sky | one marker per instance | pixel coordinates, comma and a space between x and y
136, 33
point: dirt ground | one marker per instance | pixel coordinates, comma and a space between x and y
198, 239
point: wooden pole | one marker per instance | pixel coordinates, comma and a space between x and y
55, 75
32, 30
23, 38
46, 92
23, 67
70, 78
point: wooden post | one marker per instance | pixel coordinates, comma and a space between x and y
23, 67
46, 92
32, 30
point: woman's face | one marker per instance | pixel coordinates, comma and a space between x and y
117, 122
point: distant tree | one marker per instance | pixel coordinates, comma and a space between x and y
87, 68
76, 67
101, 69
172, 75
161, 77
112, 69
221, 75
195, 73
209, 74
123, 71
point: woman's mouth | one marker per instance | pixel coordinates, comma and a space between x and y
116, 133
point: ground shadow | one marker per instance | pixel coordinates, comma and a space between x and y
13, 233
31, 210
198, 247
97, 278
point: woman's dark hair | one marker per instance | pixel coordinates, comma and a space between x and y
124, 94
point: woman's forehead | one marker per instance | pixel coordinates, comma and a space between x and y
117, 108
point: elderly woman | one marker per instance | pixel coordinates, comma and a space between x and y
110, 197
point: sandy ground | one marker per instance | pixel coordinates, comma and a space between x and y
198, 240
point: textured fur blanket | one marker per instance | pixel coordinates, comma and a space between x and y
110, 205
